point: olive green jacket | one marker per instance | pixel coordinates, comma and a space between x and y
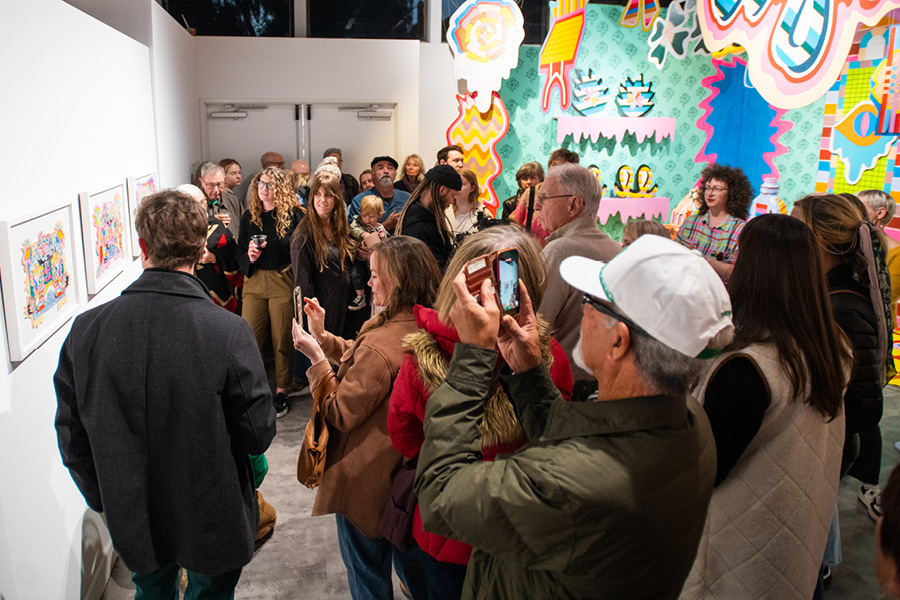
608, 500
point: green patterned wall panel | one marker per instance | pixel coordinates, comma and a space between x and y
615, 52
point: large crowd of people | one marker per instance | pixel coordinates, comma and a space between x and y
658, 418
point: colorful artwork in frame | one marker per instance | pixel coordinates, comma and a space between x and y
103, 229
138, 189
38, 275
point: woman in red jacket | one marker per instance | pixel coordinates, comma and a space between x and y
442, 562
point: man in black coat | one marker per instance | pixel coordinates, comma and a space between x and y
161, 396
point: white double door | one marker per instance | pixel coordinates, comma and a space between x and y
299, 130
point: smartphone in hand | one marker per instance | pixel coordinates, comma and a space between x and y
506, 272
298, 305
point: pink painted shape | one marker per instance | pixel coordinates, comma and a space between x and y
608, 127
782, 126
632, 208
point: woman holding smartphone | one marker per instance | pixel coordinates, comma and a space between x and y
264, 255
361, 461
441, 562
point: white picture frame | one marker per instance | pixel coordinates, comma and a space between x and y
105, 235
38, 273
138, 189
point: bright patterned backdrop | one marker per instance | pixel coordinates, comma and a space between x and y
615, 52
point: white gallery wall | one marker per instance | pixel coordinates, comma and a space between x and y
84, 106
77, 115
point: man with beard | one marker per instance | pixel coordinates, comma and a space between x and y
384, 170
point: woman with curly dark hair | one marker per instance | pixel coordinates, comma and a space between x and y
264, 255
725, 196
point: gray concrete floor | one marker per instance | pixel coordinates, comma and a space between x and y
301, 560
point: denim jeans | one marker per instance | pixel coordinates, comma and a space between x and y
162, 584
427, 578
368, 562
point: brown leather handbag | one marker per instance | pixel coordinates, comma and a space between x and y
311, 462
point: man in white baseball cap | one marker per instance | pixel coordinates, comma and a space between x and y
609, 499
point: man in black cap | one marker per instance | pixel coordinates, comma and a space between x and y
423, 216
384, 170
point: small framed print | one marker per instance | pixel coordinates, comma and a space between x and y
103, 227
38, 275
138, 189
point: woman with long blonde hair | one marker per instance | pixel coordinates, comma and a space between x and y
264, 255
322, 252
411, 175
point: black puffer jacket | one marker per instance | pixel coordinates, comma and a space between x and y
852, 311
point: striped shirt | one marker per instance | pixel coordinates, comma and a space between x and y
719, 242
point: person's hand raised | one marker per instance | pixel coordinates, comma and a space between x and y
519, 340
315, 317
305, 343
477, 324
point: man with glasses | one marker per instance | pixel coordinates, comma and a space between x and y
220, 203
567, 208
609, 499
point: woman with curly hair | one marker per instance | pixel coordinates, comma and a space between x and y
322, 252
725, 196
264, 255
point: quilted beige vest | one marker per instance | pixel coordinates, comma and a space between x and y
767, 523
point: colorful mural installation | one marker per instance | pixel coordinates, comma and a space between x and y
484, 38
616, 53
560, 49
590, 93
742, 128
674, 34
109, 234
478, 133
635, 98
795, 50
46, 274
854, 154
640, 11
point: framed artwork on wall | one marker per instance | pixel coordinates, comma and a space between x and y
103, 230
138, 189
38, 275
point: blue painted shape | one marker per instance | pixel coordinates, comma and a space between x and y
741, 125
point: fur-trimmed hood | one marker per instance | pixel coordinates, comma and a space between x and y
432, 347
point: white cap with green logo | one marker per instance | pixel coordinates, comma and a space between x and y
672, 293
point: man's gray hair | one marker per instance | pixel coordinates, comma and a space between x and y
209, 168
331, 151
665, 369
575, 179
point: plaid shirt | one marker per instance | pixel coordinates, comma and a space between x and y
719, 242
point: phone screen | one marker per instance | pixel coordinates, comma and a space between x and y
508, 280
298, 305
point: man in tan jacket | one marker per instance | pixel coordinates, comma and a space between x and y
567, 206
